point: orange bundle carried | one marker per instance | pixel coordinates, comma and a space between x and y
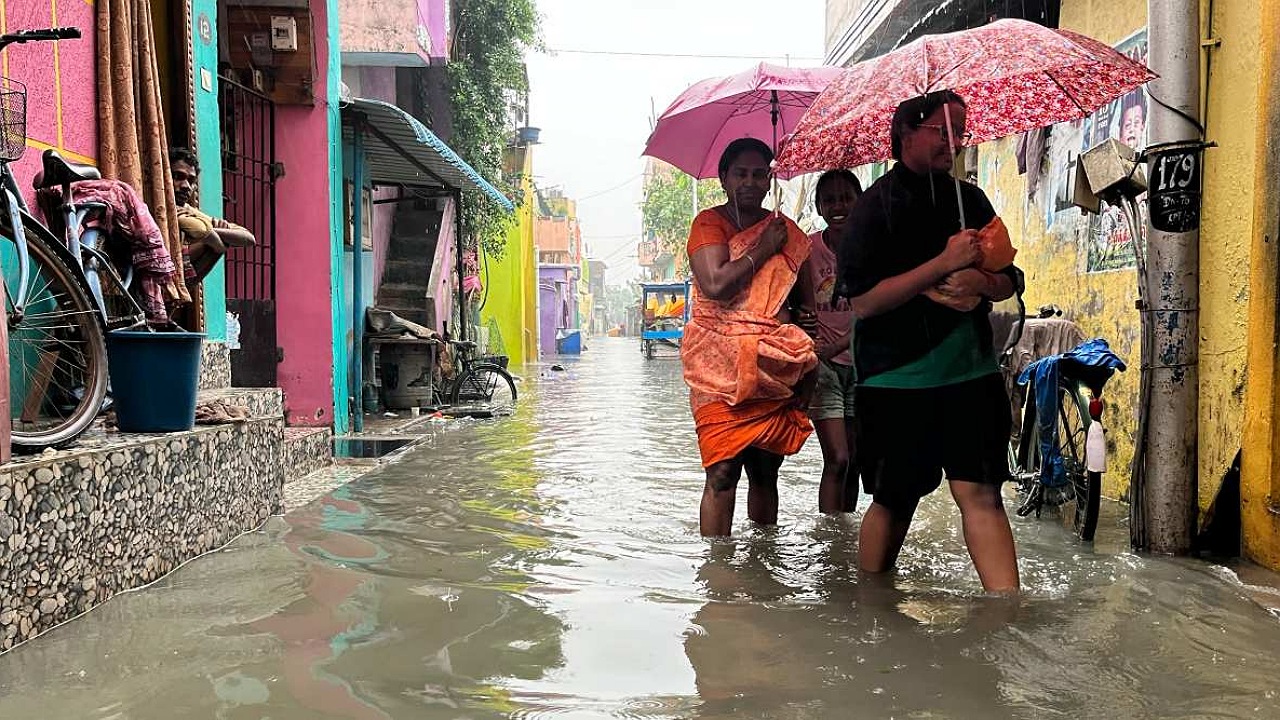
997, 249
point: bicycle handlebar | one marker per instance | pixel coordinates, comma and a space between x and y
42, 35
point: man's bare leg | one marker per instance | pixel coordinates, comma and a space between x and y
881, 537
987, 534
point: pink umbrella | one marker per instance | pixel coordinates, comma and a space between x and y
1013, 74
763, 102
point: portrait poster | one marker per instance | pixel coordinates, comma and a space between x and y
1108, 242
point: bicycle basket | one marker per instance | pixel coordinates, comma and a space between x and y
499, 360
13, 119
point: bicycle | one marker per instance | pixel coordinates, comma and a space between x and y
61, 295
1072, 439
481, 381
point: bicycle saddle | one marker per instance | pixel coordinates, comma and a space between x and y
58, 172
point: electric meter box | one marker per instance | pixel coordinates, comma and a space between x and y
284, 34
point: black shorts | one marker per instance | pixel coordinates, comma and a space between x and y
907, 439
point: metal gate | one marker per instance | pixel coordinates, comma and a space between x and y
249, 172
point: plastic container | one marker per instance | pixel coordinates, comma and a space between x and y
154, 377
569, 342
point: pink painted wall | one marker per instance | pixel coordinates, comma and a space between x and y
387, 26
444, 269
380, 84
71, 99
437, 22
304, 315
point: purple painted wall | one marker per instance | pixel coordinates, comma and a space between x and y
305, 267
557, 303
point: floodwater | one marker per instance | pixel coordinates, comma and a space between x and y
548, 565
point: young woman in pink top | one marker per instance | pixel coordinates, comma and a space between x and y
832, 407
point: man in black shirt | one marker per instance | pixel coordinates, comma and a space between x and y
930, 397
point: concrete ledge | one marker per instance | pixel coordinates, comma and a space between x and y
306, 450
78, 526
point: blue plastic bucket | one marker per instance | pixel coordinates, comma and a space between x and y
154, 377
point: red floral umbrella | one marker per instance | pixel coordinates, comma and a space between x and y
1014, 76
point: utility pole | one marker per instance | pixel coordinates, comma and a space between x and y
1168, 508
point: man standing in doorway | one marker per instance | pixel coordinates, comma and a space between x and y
205, 239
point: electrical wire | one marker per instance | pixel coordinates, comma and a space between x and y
619, 186
623, 53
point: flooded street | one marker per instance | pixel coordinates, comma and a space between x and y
549, 565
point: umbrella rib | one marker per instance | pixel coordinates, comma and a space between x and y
1066, 92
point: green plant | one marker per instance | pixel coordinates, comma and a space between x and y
487, 80
668, 205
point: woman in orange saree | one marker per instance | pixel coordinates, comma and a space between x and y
743, 359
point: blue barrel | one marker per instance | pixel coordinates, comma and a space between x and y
154, 377
569, 341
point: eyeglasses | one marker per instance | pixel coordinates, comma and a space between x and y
964, 137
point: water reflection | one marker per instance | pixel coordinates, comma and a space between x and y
549, 565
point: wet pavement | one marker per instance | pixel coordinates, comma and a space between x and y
548, 565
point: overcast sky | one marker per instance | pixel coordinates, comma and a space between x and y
595, 109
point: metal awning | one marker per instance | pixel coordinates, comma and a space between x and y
399, 150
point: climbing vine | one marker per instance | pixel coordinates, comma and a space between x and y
487, 82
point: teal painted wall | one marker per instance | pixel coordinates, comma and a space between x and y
331, 60
204, 13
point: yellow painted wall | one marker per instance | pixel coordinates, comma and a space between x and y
1225, 236
1053, 255
1050, 245
1260, 466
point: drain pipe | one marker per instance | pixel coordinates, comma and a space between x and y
1169, 507
357, 272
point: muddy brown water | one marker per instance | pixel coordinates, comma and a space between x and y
548, 565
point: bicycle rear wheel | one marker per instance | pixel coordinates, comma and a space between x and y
1083, 498
1079, 499
57, 347
487, 386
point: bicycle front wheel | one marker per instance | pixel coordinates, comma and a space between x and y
57, 347
487, 386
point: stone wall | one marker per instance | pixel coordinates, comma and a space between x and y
305, 451
78, 527
215, 366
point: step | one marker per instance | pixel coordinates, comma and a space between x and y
416, 272
402, 295
261, 402
119, 510
306, 450
412, 314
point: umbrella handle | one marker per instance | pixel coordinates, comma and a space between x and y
951, 140
773, 177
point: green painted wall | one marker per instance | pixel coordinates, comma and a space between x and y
208, 122
341, 326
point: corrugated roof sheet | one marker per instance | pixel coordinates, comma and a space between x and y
434, 164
